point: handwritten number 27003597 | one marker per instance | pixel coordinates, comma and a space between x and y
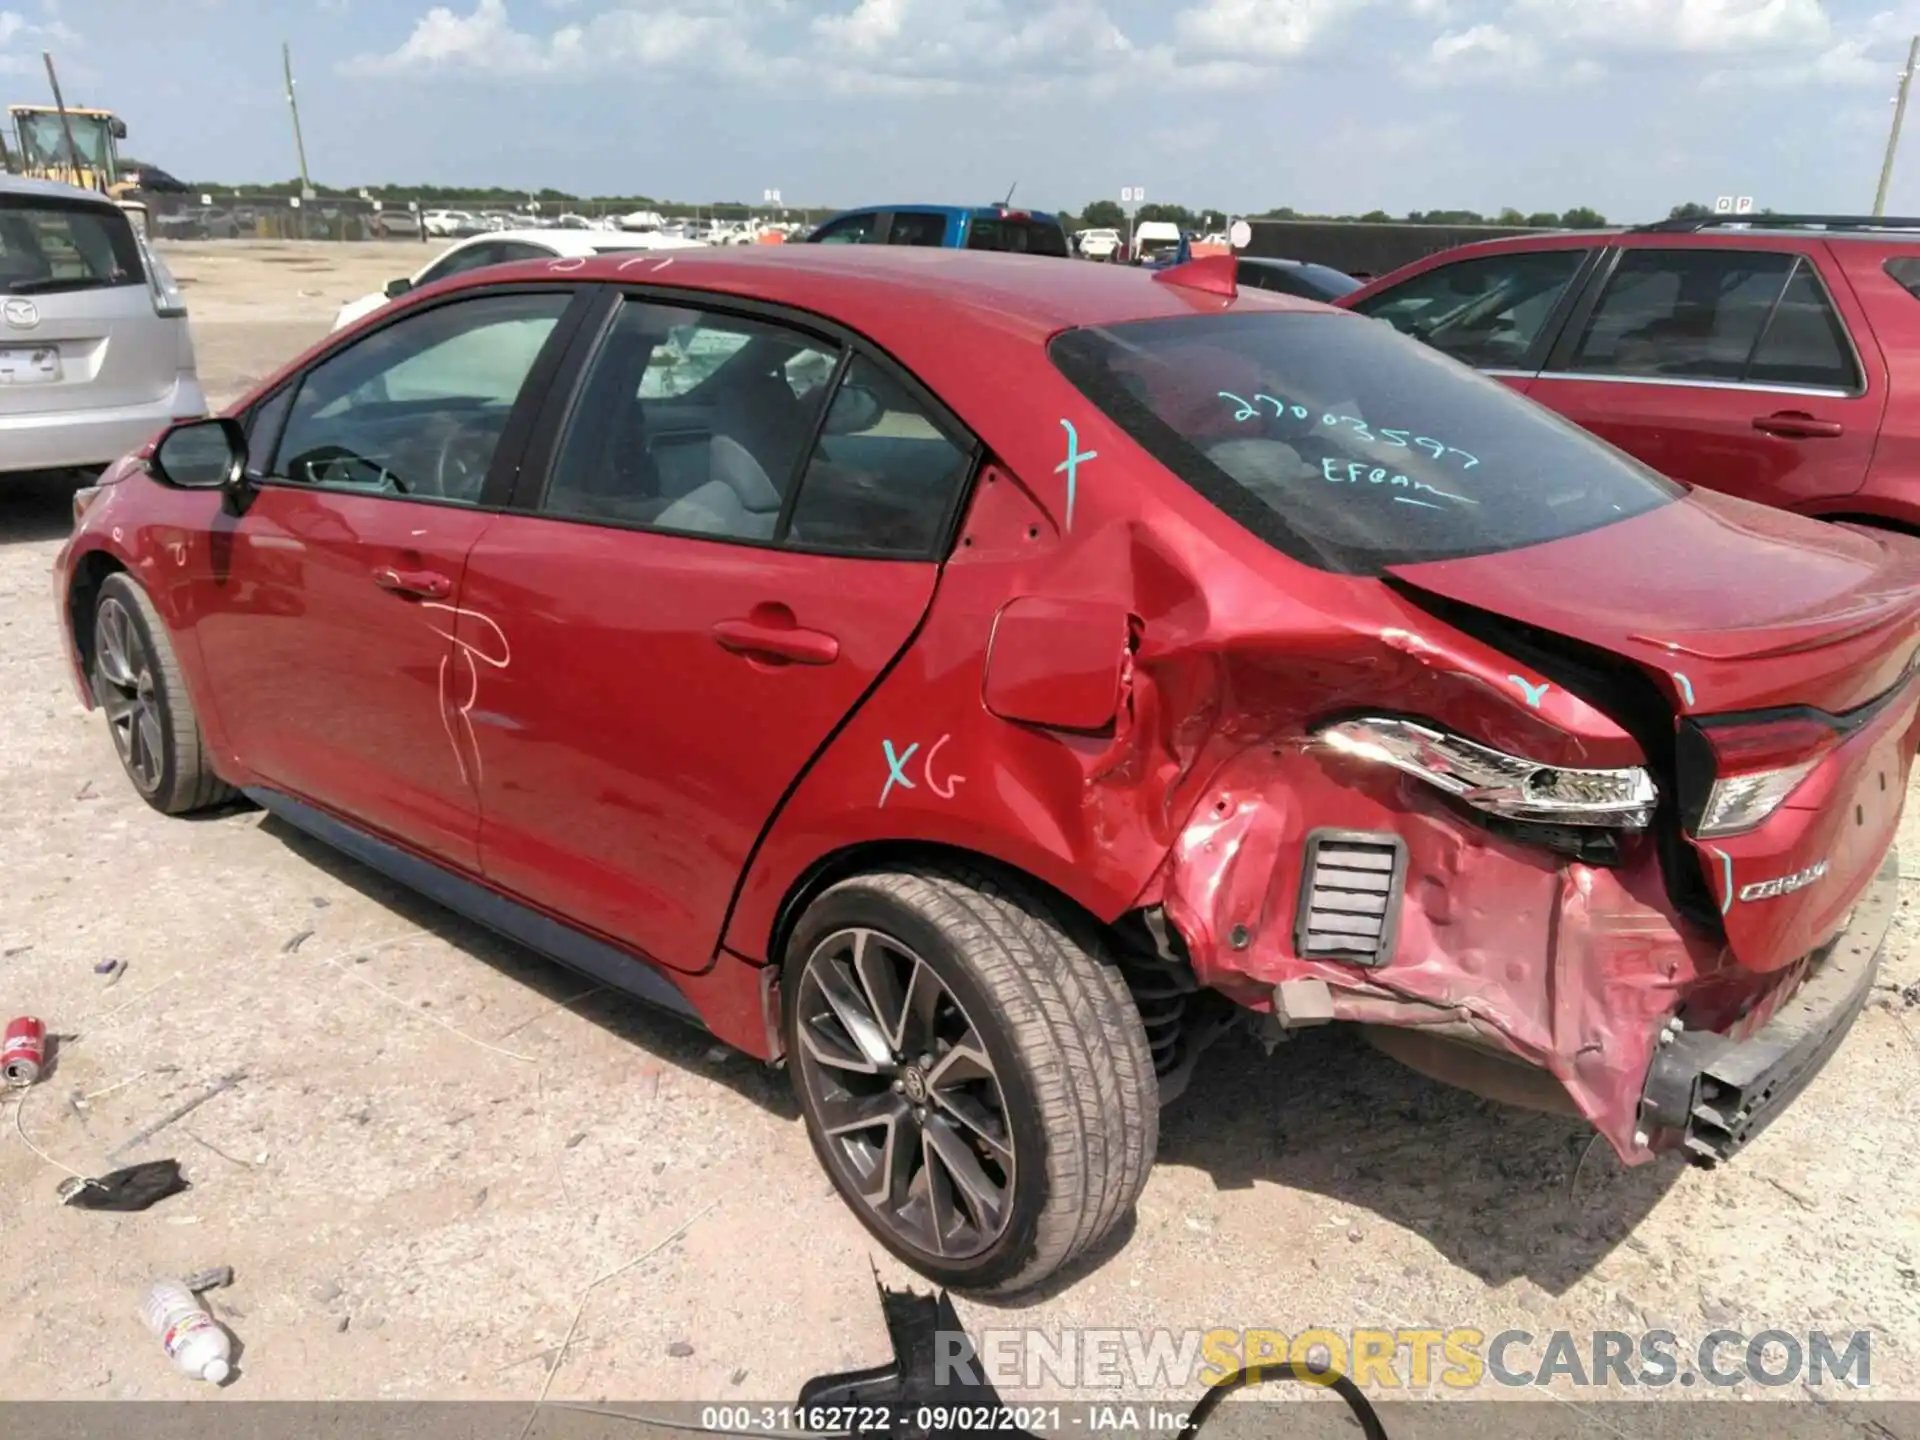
1402, 439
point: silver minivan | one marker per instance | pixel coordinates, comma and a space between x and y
95, 357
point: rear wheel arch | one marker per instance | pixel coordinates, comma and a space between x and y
892, 855
1873, 522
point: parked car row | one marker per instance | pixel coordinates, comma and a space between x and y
1760, 360
976, 685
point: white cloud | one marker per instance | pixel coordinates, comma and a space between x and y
485, 41
871, 27
16, 27
887, 47
1270, 29
1485, 44
1691, 26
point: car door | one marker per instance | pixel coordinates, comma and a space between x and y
329, 610
1722, 366
690, 623
1497, 312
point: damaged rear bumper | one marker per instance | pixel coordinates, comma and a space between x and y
1708, 1095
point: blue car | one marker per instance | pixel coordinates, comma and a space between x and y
954, 227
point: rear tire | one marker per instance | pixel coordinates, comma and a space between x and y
1030, 1134
136, 680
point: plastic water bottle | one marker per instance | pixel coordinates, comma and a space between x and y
193, 1339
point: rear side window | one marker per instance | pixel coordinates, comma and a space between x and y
1738, 316
917, 227
1805, 343
1022, 235
884, 474
1688, 314
1345, 445
48, 246
1905, 271
1489, 312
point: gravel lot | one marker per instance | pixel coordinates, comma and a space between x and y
437, 1141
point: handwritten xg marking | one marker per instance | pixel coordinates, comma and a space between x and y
897, 770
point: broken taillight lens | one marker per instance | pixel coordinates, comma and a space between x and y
1756, 767
1498, 783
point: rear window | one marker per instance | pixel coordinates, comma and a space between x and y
1022, 236
49, 245
1905, 270
1347, 445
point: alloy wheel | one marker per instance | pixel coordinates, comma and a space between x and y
125, 668
905, 1094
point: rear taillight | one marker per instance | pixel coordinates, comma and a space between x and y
1510, 786
1756, 767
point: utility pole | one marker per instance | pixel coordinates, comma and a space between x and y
1899, 117
300, 145
66, 121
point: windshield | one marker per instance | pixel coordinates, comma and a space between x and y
1023, 236
43, 139
1348, 446
48, 245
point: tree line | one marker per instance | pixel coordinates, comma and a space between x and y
1100, 214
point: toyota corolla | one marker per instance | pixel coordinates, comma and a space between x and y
973, 682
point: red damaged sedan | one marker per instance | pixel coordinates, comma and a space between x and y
974, 682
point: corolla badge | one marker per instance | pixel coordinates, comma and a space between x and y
1784, 885
21, 314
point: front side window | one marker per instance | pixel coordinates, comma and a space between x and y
417, 408
460, 260
1311, 282
849, 230
691, 421
1488, 312
1701, 314
1346, 446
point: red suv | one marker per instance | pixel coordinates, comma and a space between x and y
975, 681
1769, 358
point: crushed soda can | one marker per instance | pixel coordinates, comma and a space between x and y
23, 1051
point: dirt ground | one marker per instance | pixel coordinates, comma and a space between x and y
434, 1142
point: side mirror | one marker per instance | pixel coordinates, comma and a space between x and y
397, 288
855, 409
201, 455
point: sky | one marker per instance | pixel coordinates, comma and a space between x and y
1342, 106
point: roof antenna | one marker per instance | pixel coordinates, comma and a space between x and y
1009, 200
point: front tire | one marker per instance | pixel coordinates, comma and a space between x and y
974, 1075
137, 682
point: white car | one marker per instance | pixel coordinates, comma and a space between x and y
503, 248
1099, 244
95, 355
447, 223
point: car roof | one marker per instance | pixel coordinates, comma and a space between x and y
886, 289
51, 190
942, 210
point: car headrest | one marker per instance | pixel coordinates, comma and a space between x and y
733, 464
